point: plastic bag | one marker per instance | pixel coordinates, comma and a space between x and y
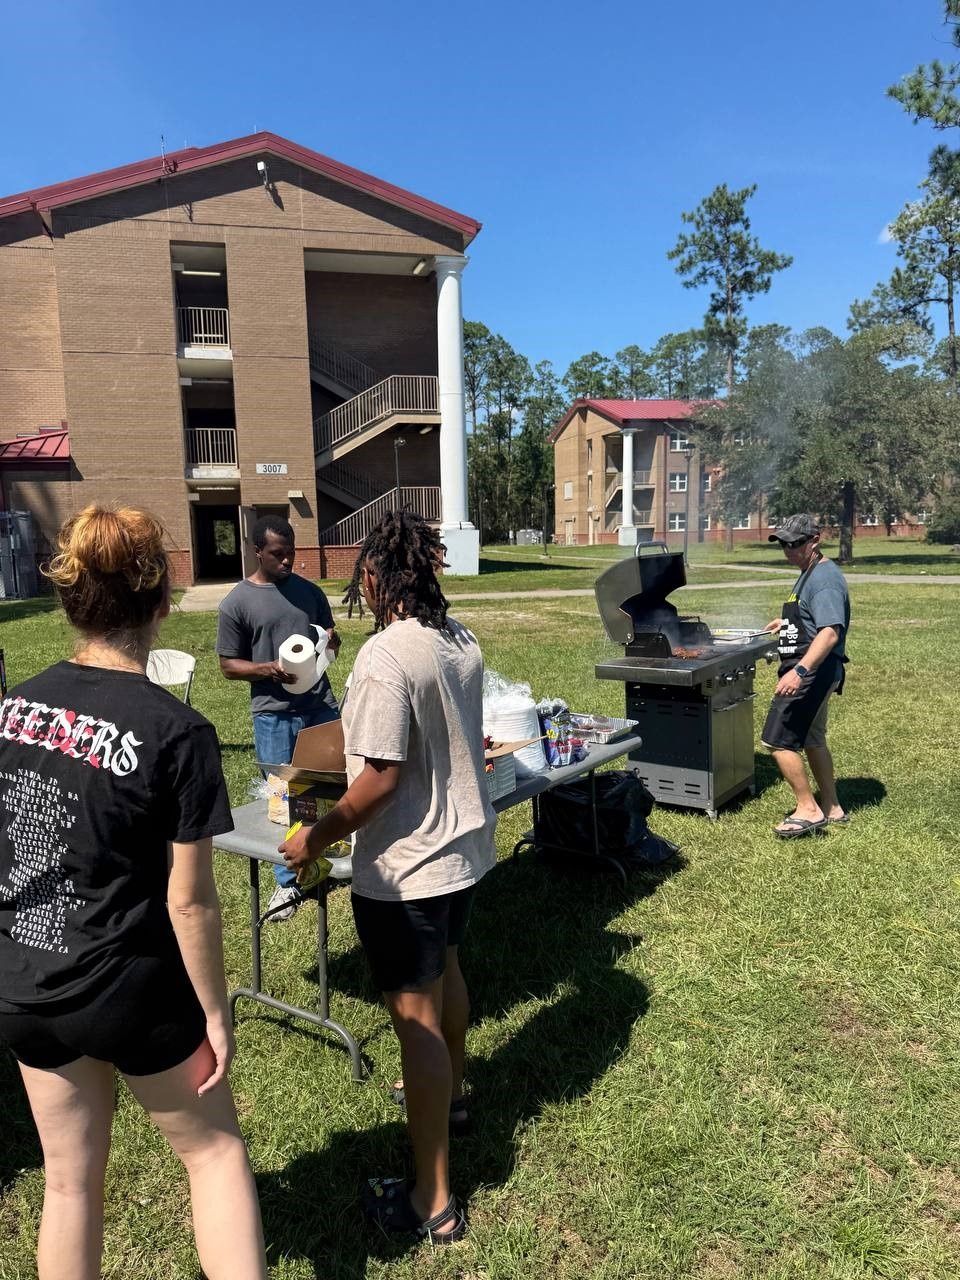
623, 805
274, 791
510, 715
561, 742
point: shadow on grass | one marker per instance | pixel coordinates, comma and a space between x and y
853, 793
16, 610
538, 938
905, 563
20, 1148
540, 564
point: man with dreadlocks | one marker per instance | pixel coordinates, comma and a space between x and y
417, 799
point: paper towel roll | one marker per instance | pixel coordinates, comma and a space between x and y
298, 657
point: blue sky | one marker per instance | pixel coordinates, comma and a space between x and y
575, 132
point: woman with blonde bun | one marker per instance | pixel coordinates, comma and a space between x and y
110, 945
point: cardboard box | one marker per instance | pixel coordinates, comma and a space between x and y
501, 767
318, 770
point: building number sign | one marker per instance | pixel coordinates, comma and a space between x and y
271, 468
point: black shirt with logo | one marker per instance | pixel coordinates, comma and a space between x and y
99, 770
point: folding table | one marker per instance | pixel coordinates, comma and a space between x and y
256, 838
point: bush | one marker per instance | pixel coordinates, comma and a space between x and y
944, 525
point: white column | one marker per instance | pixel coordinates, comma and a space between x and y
461, 538
628, 530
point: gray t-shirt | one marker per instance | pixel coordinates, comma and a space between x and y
254, 621
824, 601
416, 696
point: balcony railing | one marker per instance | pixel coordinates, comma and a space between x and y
614, 521
211, 446
401, 393
204, 326
423, 499
641, 480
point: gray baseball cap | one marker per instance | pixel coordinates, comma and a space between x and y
793, 528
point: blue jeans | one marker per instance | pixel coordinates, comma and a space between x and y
274, 735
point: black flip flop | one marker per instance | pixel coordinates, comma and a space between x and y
803, 828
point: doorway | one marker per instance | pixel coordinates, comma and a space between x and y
217, 531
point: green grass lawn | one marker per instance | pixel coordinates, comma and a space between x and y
746, 1065
878, 554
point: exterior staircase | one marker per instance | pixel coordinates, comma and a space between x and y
371, 406
347, 485
352, 529
395, 401
340, 372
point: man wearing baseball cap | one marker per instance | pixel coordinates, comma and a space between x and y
812, 637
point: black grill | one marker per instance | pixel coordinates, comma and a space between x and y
690, 692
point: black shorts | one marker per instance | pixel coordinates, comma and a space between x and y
406, 942
144, 1018
791, 715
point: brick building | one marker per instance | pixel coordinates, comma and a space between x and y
599, 444
232, 330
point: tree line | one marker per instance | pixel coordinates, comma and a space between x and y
864, 425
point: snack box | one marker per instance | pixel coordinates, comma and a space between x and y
318, 770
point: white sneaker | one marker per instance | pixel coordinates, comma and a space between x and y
289, 898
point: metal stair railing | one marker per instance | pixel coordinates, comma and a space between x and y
347, 480
351, 531
400, 393
339, 365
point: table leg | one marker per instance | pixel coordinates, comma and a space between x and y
256, 993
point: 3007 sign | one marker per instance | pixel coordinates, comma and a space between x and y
271, 468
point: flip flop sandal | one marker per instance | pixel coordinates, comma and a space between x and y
802, 827
839, 822
387, 1204
460, 1122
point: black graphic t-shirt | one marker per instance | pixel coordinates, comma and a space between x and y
99, 769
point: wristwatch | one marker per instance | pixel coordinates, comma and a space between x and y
801, 670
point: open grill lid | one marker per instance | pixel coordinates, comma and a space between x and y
632, 594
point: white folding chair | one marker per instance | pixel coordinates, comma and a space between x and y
172, 667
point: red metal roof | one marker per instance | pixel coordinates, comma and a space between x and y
624, 411
192, 158
51, 446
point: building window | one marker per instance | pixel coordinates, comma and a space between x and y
922, 516
678, 482
742, 522
676, 522
567, 490
705, 522
678, 441
589, 452
589, 488
706, 482
869, 520
739, 439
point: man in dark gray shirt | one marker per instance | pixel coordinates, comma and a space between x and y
812, 632
255, 619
